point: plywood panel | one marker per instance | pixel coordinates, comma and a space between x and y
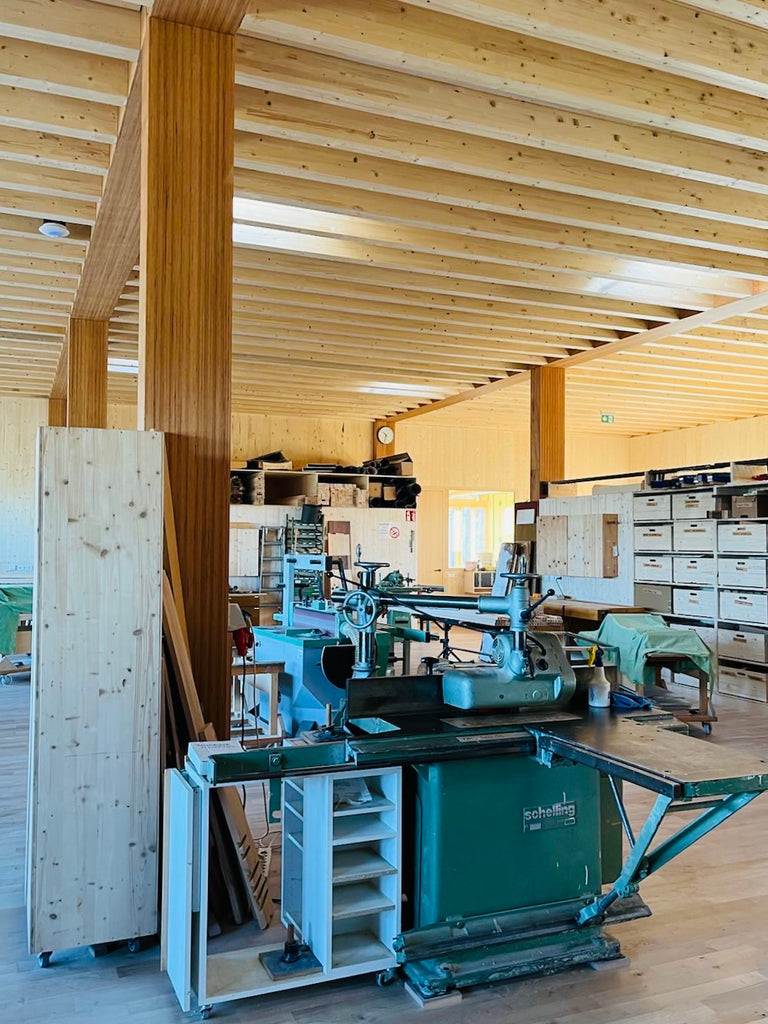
552, 545
94, 769
592, 545
618, 589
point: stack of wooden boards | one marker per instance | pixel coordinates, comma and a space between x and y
238, 882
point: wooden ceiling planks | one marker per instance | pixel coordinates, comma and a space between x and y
502, 187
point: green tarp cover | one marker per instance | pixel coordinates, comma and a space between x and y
14, 601
637, 636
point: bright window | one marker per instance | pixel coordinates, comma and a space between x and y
479, 522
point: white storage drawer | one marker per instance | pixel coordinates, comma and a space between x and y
694, 569
707, 633
699, 603
694, 535
742, 536
653, 568
693, 505
742, 644
742, 606
651, 506
653, 538
742, 572
743, 683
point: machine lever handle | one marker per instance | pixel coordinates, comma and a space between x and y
532, 607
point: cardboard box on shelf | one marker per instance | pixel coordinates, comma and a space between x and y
375, 489
389, 492
749, 506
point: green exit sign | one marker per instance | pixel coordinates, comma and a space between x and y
606, 417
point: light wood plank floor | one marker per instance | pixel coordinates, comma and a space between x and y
701, 959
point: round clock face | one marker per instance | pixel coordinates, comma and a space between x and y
385, 435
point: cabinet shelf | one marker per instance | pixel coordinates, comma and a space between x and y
348, 832
359, 947
359, 865
378, 803
359, 900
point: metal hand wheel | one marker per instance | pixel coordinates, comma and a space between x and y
359, 610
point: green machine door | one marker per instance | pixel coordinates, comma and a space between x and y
502, 833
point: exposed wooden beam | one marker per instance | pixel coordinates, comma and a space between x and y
87, 373
59, 115
657, 35
49, 69
75, 24
114, 247
435, 46
215, 15
717, 314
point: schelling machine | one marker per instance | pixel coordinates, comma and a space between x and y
458, 827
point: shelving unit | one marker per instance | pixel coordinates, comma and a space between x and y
281, 487
343, 895
710, 574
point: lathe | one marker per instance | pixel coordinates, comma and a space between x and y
458, 827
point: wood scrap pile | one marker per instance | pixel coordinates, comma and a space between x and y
238, 884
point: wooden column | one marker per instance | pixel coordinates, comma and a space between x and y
185, 338
87, 373
547, 426
57, 412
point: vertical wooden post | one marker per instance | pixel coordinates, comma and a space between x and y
185, 334
547, 426
57, 412
381, 450
87, 373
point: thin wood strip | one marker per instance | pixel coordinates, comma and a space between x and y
171, 553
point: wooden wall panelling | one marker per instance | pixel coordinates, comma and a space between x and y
547, 426
303, 439
186, 313
94, 769
592, 545
87, 373
552, 545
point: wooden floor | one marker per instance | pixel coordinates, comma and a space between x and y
701, 959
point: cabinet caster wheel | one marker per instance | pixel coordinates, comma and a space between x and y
706, 728
385, 978
138, 944
44, 959
205, 1012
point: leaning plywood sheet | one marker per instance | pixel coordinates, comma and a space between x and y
94, 772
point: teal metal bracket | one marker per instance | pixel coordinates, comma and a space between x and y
642, 862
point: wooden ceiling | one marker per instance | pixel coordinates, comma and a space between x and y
433, 196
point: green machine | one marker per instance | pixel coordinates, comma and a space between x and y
517, 851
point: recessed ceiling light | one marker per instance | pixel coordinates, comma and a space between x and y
54, 229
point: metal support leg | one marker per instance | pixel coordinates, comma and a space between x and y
626, 883
688, 834
622, 810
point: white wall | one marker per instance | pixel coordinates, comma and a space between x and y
19, 420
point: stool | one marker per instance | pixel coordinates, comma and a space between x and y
704, 714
